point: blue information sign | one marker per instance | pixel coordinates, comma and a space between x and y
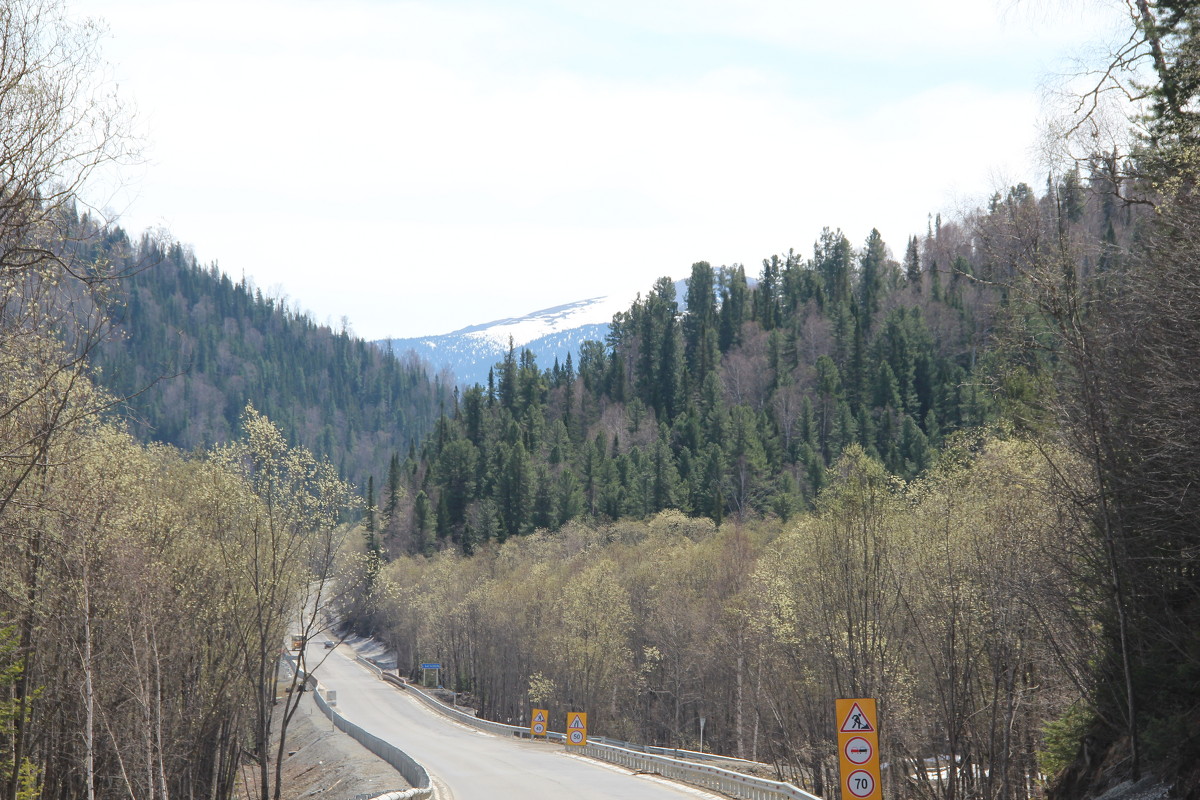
431, 666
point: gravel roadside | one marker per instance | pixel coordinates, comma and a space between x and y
323, 762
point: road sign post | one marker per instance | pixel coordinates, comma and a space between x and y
435, 669
858, 749
576, 728
538, 720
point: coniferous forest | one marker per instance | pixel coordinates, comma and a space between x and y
955, 473
736, 409
189, 348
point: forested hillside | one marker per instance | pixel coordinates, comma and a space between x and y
739, 406
873, 499
962, 483
959, 477
190, 347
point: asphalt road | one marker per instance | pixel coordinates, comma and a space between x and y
468, 764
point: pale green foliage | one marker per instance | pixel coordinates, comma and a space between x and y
939, 599
281, 555
936, 597
592, 645
299, 492
127, 563
1062, 736
541, 689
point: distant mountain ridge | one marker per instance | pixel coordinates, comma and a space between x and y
549, 333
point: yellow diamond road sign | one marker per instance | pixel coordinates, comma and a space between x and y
576, 728
537, 721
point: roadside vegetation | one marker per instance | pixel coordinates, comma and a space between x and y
962, 482
941, 596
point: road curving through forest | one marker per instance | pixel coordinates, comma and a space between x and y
468, 764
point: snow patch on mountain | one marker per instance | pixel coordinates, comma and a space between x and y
538, 324
551, 333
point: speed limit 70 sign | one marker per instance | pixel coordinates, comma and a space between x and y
858, 749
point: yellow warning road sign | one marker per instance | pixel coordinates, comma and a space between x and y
576, 728
858, 749
855, 720
538, 719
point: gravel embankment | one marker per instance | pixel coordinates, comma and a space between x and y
326, 763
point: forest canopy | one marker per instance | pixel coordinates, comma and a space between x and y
958, 476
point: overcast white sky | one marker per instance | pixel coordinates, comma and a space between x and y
421, 166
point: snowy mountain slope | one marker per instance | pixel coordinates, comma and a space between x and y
534, 326
549, 333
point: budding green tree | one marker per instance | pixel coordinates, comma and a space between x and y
283, 564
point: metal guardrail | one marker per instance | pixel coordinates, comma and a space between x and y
678, 753
726, 781
467, 719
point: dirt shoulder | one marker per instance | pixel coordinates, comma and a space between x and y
324, 762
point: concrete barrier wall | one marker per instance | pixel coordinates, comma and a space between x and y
413, 772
